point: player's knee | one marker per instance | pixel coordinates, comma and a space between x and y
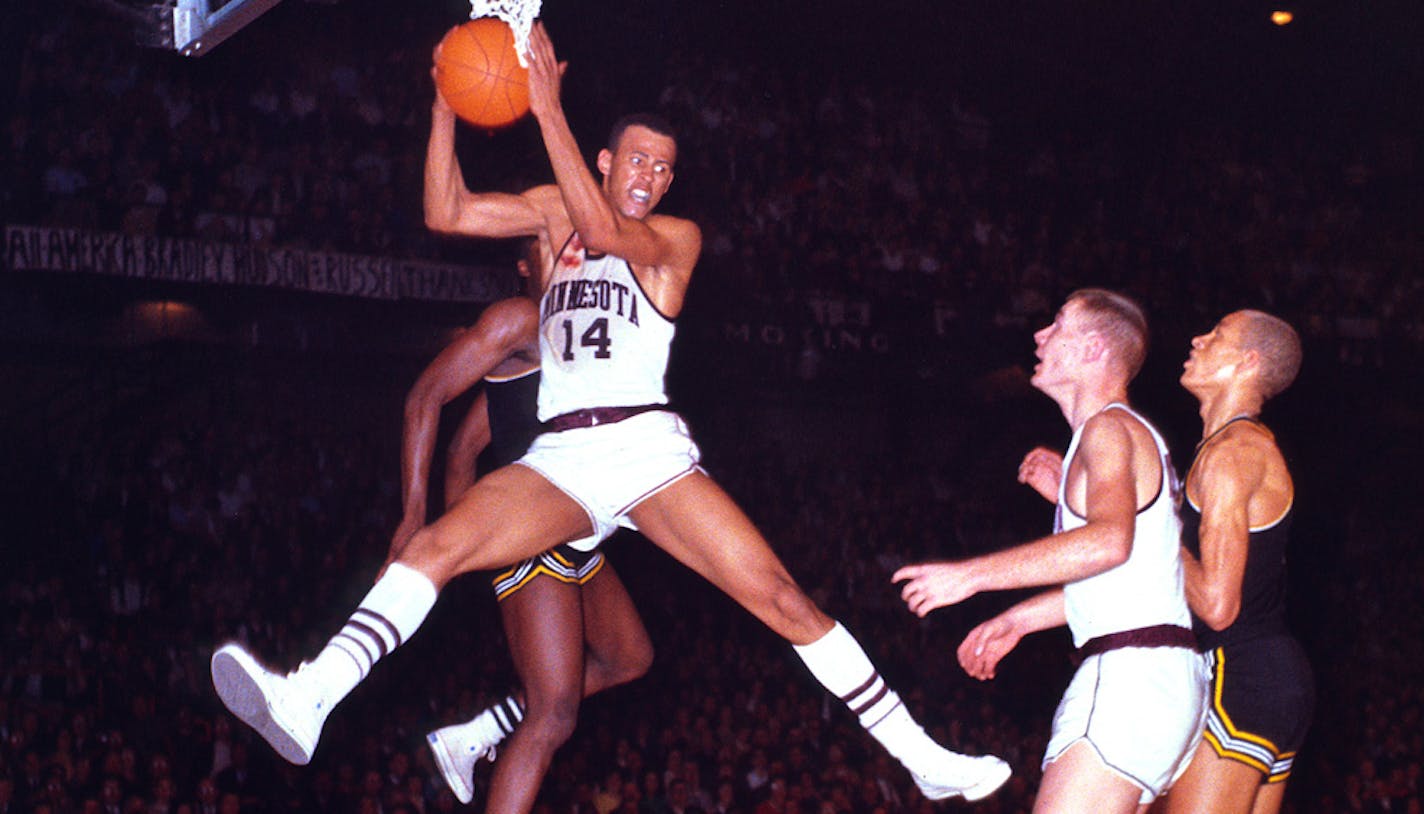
433, 553
793, 605
629, 661
634, 662
552, 718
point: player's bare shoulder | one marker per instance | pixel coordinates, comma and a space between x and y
546, 199
666, 282
1238, 442
1103, 451
1119, 444
682, 238
516, 314
1241, 459
512, 325
1114, 430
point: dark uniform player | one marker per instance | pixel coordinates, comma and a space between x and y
511, 406
1267, 727
513, 427
571, 626
1236, 518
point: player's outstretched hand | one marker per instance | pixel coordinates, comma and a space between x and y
1042, 469
546, 73
986, 645
933, 585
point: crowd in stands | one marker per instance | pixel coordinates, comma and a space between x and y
804, 181
257, 504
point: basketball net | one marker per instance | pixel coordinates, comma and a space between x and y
519, 14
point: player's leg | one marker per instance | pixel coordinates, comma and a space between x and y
1261, 696
616, 650
543, 620
1269, 798
616, 644
491, 525
696, 522
1078, 782
507, 516
1213, 783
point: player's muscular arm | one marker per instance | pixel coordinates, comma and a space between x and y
668, 245
452, 208
502, 329
1112, 469
1105, 465
1226, 475
471, 438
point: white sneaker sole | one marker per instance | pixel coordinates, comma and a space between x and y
990, 784
238, 678
444, 758
997, 776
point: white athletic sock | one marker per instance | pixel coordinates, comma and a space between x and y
841, 665
503, 717
385, 619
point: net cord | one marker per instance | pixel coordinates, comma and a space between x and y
519, 14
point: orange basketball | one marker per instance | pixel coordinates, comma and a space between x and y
479, 74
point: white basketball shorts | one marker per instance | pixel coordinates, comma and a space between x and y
1140, 708
610, 468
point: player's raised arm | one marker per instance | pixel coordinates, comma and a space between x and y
610, 220
451, 207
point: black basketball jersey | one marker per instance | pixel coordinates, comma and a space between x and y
1263, 587
513, 419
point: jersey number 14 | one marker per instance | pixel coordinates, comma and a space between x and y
596, 336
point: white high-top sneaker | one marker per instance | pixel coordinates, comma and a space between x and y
458, 748
973, 778
283, 710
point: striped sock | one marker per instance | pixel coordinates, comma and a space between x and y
507, 715
385, 619
504, 716
841, 665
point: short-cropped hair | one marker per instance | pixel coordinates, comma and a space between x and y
1278, 346
1118, 319
652, 121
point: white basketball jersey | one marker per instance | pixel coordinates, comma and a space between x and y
1145, 590
602, 343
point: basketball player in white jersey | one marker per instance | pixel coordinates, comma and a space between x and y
1133, 711
572, 628
613, 282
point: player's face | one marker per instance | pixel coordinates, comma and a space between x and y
1214, 354
1057, 346
637, 172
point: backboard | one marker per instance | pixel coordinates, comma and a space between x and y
199, 25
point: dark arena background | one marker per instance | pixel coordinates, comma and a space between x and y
218, 287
